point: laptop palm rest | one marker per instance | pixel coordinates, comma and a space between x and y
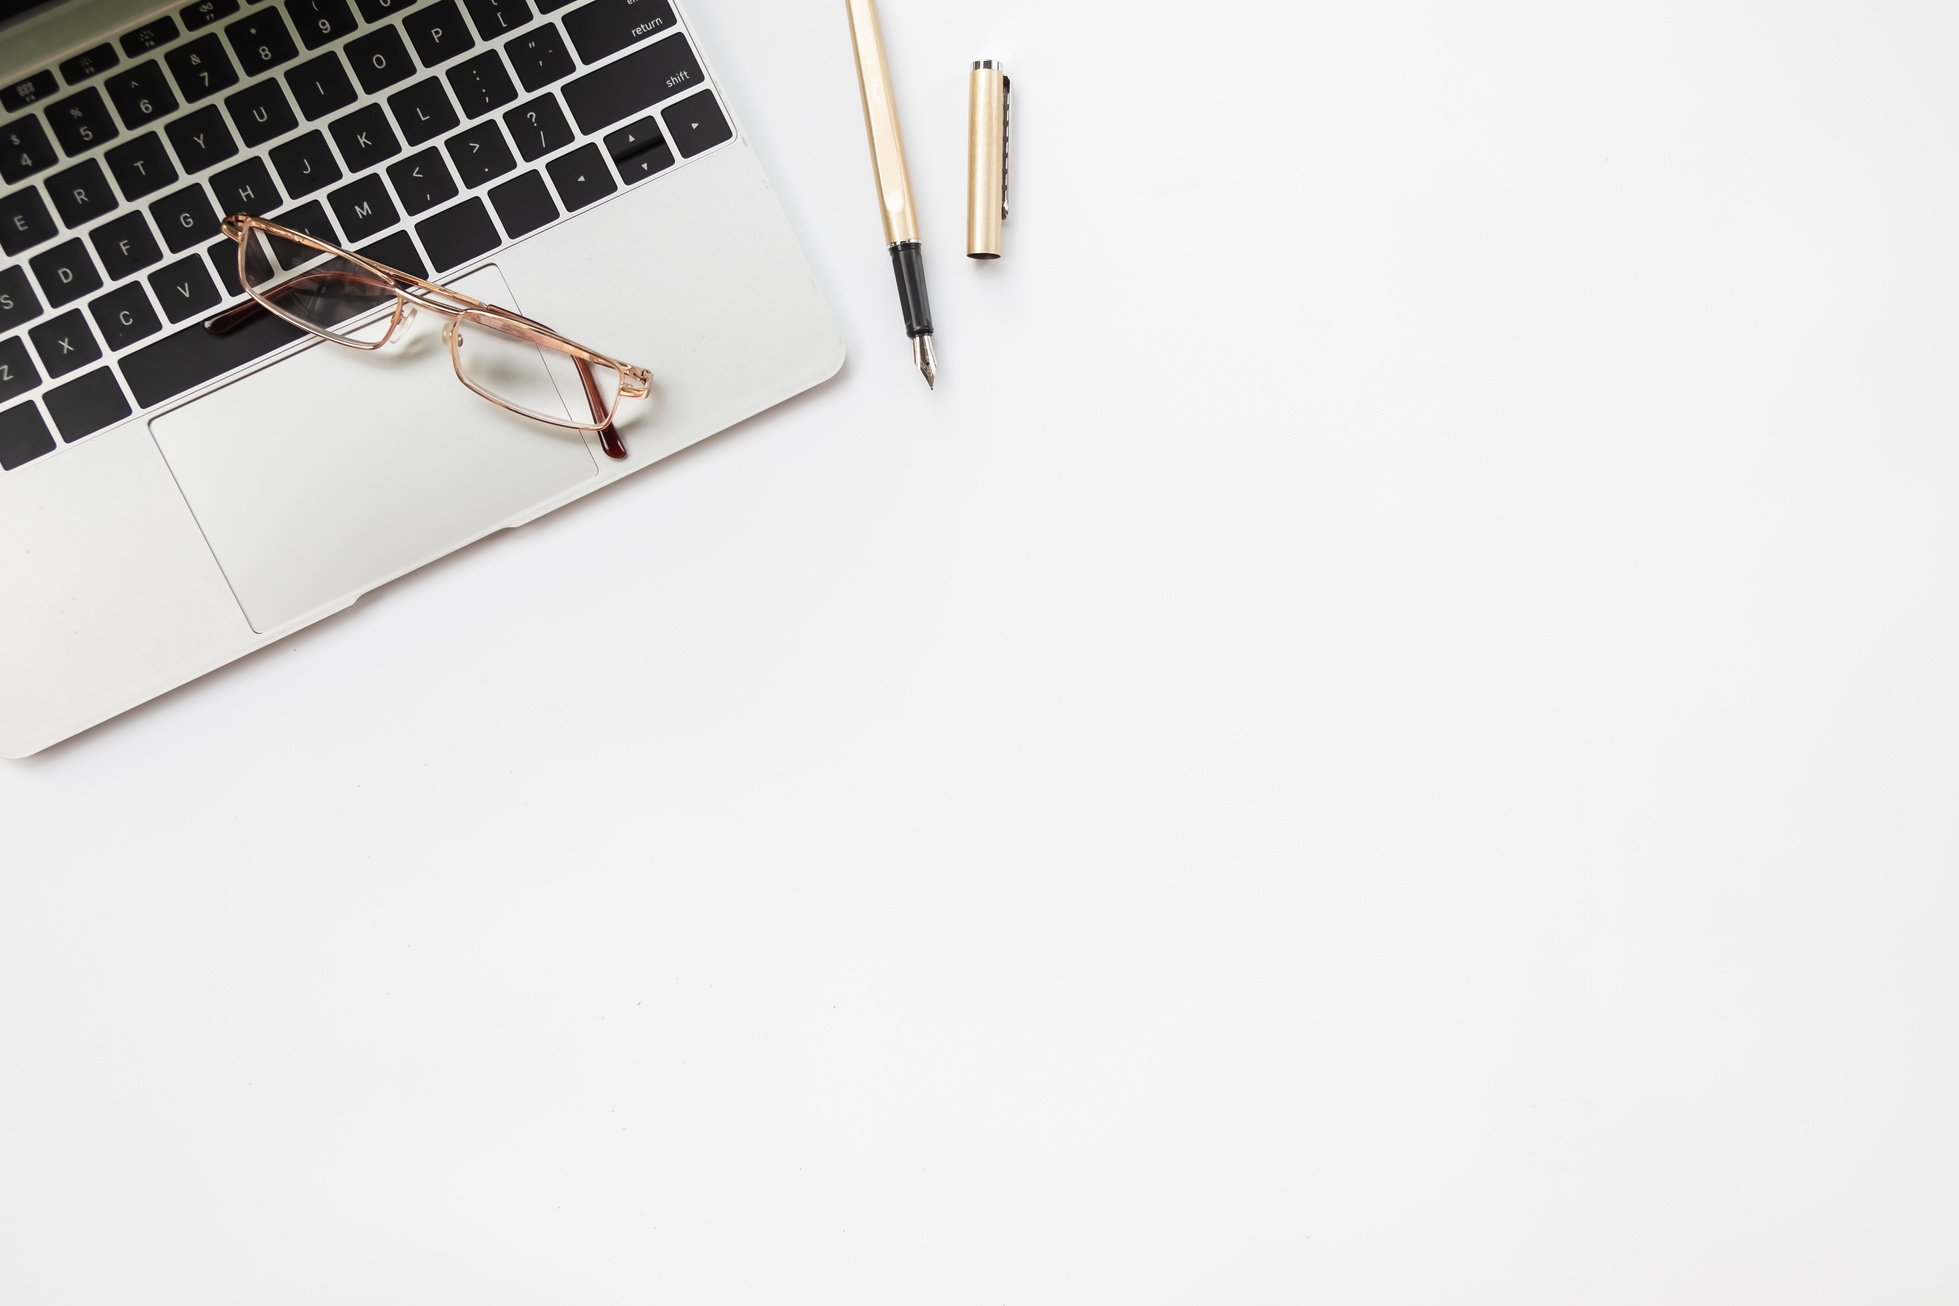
328, 473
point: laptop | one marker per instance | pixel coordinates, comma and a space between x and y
174, 496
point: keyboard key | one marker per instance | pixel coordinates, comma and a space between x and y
23, 435
480, 154
24, 149
201, 139
496, 19
538, 127
88, 63
696, 124
319, 22
629, 85
184, 288
482, 84
606, 27
438, 32
65, 273
28, 91
201, 68
524, 204
422, 180
125, 245
261, 112
366, 138
261, 42
423, 110
141, 94
17, 374
310, 219
246, 188
581, 177
18, 303
87, 404
456, 235
305, 164
81, 194
638, 150
141, 166
398, 252
224, 262
81, 122
24, 221
191, 357
65, 343
551, 6
364, 208
124, 316
380, 59
375, 10
205, 12
185, 218
149, 37
539, 57
321, 86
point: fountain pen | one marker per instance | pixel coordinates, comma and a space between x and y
893, 183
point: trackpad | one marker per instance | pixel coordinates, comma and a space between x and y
337, 469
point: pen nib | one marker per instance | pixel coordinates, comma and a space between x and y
925, 360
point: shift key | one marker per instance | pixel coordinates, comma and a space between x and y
607, 26
628, 87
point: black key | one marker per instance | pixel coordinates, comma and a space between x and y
224, 262
551, 6
18, 303
422, 180
141, 94
496, 19
148, 37
305, 164
375, 10
581, 177
638, 150
310, 219
320, 21
65, 343
65, 273
184, 288
261, 112
398, 252
23, 435
125, 245
321, 85
364, 207
29, 90
24, 221
17, 374
201, 68
81, 194
605, 27
261, 42
88, 63
86, 404
141, 166
246, 188
81, 122
482, 84
124, 315
24, 149
524, 203
538, 127
480, 154
201, 139
423, 110
185, 218
366, 138
438, 32
186, 359
380, 59
638, 81
696, 124
539, 57
456, 235
206, 12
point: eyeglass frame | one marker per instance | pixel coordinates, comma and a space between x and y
634, 382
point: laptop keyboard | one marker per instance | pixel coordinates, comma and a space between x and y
425, 133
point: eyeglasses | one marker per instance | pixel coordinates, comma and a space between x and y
519, 365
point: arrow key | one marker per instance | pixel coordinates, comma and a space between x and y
696, 123
638, 150
581, 177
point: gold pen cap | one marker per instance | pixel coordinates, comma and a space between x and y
988, 101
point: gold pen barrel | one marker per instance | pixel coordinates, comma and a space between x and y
986, 159
881, 124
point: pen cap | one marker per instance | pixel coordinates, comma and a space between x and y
988, 101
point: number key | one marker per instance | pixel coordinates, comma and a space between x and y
141, 94
260, 41
201, 68
81, 121
320, 21
24, 149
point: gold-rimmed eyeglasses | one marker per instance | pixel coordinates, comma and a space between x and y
519, 365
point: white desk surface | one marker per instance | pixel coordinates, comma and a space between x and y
1388, 736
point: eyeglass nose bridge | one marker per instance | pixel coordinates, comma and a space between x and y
401, 326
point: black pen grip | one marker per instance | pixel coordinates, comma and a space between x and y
908, 261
